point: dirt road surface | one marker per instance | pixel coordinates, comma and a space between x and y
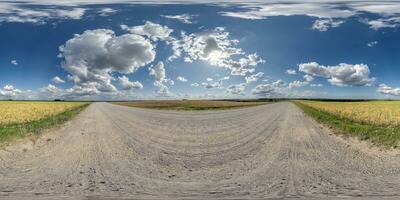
269, 151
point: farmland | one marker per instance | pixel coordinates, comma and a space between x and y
271, 151
189, 104
378, 121
19, 118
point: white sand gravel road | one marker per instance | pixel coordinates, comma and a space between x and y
270, 151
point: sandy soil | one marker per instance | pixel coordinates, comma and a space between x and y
269, 151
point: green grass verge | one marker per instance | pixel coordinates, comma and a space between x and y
18, 130
383, 136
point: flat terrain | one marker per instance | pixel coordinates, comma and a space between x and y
189, 104
26, 111
385, 113
28, 118
376, 121
268, 151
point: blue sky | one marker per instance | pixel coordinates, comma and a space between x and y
129, 50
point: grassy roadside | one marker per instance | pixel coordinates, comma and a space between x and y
383, 136
189, 105
18, 130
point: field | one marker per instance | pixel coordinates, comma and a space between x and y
378, 121
261, 152
189, 104
19, 118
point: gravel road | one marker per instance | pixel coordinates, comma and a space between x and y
269, 151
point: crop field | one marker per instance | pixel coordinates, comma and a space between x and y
189, 104
371, 112
25, 111
19, 118
254, 152
375, 120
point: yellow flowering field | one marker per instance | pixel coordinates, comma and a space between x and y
26, 111
372, 112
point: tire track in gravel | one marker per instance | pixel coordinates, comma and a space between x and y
269, 151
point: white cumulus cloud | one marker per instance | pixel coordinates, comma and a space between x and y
291, 71
254, 77
91, 57
379, 23
340, 75
158, 72
216, 48
107, 11
270, 89
9, 91
149, 29
181, 79
184, 18
14, 62
384, 89
129, 85
194, 85
372, 44
57, 80
324, 24
214, 84
237, 89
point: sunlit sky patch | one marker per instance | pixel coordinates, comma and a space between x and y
123, 50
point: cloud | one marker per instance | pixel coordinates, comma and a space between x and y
194, 85
384, 89
291, 71
128, 85
158, 72
184, 18
372, 44
14, 62
107, 12
387, 8
181, 79
297, 84
19, 13
216, 48
88, 91
57, 80
319, 10
217, 84
151, 30
340, 75
308, 78
316, 85
170, 81
51, 92
9, 91
379, 23
254, 77
91, 57
84, 90
212, 85
237, 89
324, 24
329, 14
275, 88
